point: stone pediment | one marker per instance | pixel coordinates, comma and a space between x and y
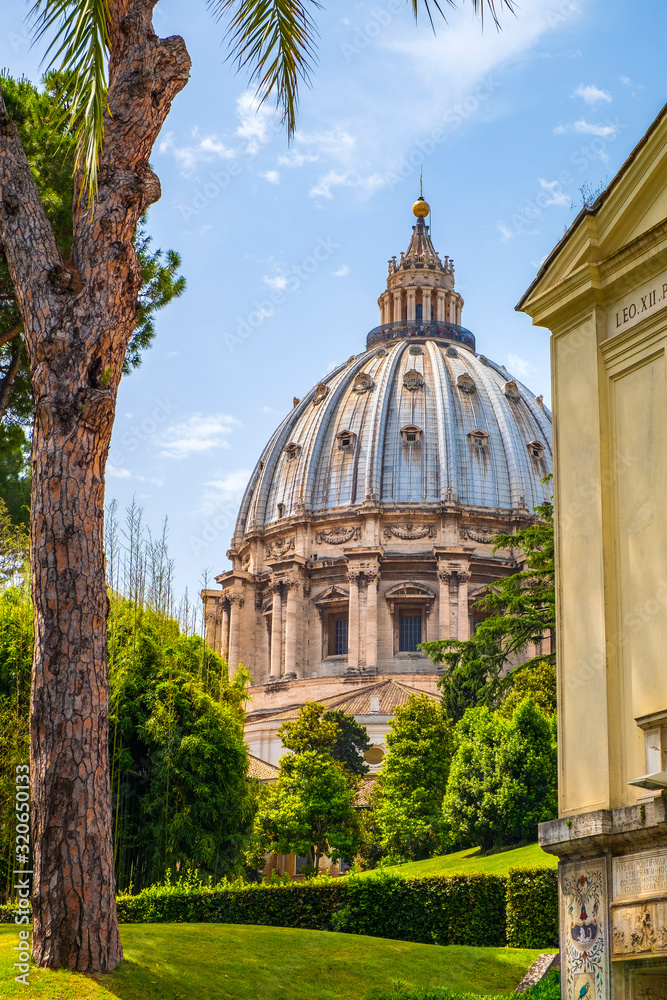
333, 595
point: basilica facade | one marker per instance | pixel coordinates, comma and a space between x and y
367, 525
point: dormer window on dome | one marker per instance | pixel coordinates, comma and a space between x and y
536, 449
363, 383
466, 383
413, 380
478, 439
512, 392
321, 391
345, 440
411, 434
292, 449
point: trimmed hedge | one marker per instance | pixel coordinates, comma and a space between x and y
477, 909
532, 908
465, 909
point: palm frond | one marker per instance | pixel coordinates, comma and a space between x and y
276, 40
79, 50
480, 7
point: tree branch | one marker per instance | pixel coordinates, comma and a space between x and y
34, 261
11, 333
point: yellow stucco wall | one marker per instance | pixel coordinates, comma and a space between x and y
603, 295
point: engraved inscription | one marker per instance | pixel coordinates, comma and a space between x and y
637, 305
640, 874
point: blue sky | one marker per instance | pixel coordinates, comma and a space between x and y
508, 127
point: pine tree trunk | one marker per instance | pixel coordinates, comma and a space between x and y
74, 908
78, 317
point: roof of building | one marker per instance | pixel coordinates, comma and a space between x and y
348, 441
261, 769
389, 694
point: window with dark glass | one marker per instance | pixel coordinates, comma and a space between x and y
409, 633
418, 312
338, 630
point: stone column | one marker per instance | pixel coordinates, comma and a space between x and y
291, 627
276, 632
440, 314
426, 305
372, 620
463, 616
411, 305
235, 605
397, 307
353, 620
444, 578
225, 632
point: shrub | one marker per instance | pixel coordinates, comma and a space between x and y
452, 910
532, 908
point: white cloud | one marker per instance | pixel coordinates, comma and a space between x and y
342, 271
294, 159
258, 122
272, 176
554, 194
117, 473
277, 282
225, 491
583, 127
592, 95
205, 149
506, 233
197, 435
519, 366
324, 185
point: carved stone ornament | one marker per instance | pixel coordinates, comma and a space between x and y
481, 535
279, 546
338, 536
410, 531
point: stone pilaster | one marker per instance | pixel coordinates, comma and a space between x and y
235, 604
372, 579
291, 627
463, 611
276, 631
353, 578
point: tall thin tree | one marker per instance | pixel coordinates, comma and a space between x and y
78, 316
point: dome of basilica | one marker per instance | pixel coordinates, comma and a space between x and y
422, 420
368, 524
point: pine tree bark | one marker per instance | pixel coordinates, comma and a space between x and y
78, 316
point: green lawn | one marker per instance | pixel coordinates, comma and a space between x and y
471, 860
216, 961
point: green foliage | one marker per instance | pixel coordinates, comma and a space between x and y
532, 908
311, 807
179, 764
528, 765
459, 910
413, 781
16, 642
502, 781
330, 732
536, 681
521, 611
50, 146
15, 477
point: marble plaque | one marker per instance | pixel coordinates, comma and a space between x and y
648, 985
584, 934
638, 875
639, 930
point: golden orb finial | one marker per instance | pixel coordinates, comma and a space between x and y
421, 208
